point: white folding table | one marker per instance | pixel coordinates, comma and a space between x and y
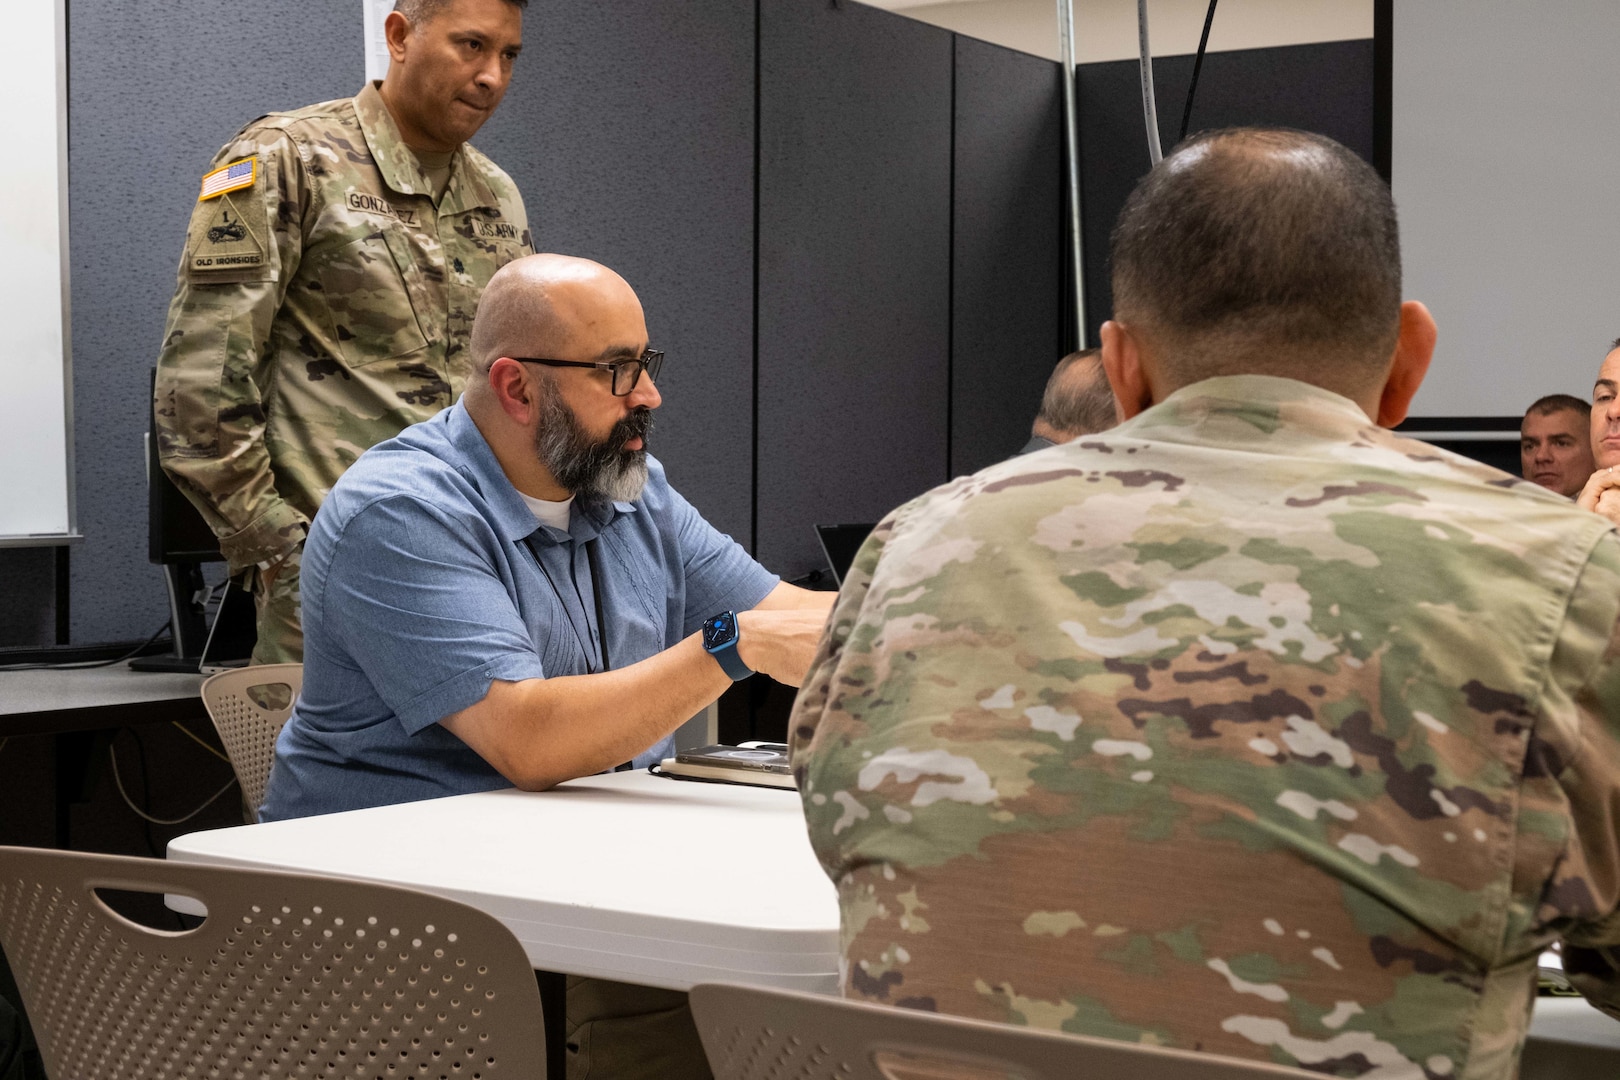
623, 876
632, 877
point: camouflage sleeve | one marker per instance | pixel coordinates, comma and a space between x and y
242, 248
523, 219
1584, 894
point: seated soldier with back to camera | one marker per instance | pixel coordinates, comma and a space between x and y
1247, 726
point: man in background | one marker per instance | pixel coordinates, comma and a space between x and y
1601, 495
1077, 402
1249, 726
331, 271
1555, 444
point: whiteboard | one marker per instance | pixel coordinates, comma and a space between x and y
1505, 154
36, 399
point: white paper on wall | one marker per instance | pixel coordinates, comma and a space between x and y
375, 13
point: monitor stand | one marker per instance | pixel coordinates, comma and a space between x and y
188, 621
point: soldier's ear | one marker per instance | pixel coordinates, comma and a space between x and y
1414, 348
396, 29
1122, 362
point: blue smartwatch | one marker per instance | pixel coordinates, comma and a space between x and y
720, 641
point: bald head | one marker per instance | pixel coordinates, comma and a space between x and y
554, 306
1077, 401
1263, 251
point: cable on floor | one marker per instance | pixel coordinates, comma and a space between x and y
118, 781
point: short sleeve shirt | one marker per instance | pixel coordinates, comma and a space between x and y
426, 577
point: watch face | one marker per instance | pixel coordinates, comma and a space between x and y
720, 630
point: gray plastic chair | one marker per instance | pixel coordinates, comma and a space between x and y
249, 706
748, 1032
289, 975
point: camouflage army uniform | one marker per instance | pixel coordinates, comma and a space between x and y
1246, 726
323, 306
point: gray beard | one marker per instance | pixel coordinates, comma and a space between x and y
587, 469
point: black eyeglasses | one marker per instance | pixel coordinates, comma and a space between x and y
626, 372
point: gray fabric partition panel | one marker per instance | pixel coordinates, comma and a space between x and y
155, 87
1325, 88
27, 596
854, 268
1008, 248
630, 129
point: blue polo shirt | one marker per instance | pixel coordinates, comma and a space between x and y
425, 576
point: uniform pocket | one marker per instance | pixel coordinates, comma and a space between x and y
369, 299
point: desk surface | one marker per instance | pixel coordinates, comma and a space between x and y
606, 876
625, 876
46, 702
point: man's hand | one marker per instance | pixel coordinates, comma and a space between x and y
1601, 495
780, 642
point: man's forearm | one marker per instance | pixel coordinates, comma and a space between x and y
540, 732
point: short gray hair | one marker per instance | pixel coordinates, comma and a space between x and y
423, 11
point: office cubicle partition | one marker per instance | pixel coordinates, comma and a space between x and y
846, 226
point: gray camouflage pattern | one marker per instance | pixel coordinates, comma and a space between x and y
1246, 726
320, 311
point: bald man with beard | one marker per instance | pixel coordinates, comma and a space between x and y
511, 593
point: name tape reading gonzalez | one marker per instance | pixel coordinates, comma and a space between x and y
232, 177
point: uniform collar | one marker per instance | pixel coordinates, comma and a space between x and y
1259, 405
399, 167
510, 515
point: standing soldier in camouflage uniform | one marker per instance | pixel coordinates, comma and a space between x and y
1247, 726
331, 272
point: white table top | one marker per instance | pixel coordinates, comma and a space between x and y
632, 877
624, 876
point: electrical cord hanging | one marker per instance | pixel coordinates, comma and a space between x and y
193, 736
1150, 110
1198, 65
118, 781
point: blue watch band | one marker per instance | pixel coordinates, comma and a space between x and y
732, 663
720, 641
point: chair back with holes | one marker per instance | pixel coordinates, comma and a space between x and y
749, 1032
248, 706
289, 975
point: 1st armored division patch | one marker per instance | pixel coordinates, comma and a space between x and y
229, 240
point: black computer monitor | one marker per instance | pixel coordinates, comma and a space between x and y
180, 541
840, 543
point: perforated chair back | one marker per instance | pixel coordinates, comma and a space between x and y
248, 707
289, 975
748, 1032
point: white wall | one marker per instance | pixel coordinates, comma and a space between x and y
1506, 160
1106, 29
34, 480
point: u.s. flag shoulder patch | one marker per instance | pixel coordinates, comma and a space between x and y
232, 177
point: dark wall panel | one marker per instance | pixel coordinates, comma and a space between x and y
600, 146
630, 128
27, 596
1326, 88
1008, 248
156, 86
854, 258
